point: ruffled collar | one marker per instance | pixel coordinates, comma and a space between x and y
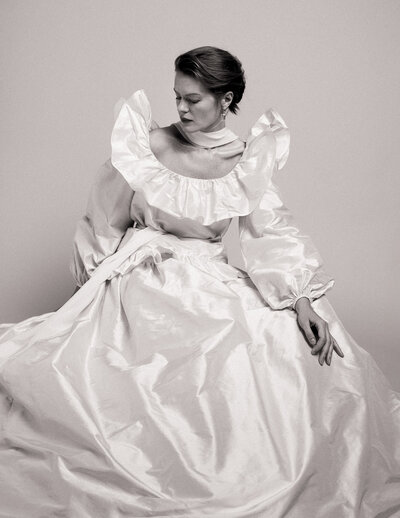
209, 139
205, 200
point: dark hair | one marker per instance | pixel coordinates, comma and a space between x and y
218, 70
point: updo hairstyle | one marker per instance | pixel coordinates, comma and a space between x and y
218, 70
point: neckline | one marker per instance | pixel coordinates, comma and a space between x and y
194, 178
139, 104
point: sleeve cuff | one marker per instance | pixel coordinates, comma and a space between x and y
293, 306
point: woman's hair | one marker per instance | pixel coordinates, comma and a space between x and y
218, 70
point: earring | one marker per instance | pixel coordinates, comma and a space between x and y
224, 112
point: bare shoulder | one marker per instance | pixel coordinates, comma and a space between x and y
161, 138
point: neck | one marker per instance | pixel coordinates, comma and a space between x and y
218, 126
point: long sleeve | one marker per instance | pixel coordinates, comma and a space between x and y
282, 262
100, 231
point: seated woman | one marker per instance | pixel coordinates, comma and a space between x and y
173, 383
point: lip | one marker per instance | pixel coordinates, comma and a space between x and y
186, 120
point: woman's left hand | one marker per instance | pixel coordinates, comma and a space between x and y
316, 331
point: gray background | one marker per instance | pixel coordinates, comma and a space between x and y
330, 68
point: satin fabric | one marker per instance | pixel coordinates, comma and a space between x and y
174, 384
207, 139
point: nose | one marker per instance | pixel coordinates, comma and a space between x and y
182, 106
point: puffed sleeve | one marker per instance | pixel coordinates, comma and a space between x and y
101, 229
282, 262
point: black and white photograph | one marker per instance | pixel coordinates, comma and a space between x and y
200, 233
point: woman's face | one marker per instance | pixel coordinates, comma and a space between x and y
198, 108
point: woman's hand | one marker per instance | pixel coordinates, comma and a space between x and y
316, 331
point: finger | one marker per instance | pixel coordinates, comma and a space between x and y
337, 349
323, 335
324, 351
329, 355
308, 332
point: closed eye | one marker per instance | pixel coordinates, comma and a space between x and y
189, 100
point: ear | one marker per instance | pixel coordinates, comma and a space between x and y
226, 100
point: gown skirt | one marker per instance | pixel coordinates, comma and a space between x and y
173, 384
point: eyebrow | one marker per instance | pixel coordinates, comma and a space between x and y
193, 93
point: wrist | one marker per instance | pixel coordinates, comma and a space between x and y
301, 303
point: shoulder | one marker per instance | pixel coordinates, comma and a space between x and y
162, 138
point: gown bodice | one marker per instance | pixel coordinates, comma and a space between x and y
148, 216
187, 206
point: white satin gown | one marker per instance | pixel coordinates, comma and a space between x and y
173, 384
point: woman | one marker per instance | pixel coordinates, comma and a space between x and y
172, 383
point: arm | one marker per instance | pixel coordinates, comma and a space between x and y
282, 262
100, 231
286, 268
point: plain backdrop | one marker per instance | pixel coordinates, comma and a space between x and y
330, 68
